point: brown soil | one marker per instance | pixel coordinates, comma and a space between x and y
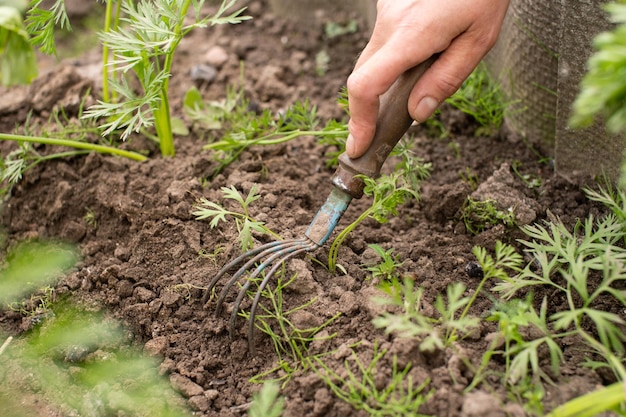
146, 240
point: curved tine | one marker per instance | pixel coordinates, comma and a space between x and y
257, 297
234, 262
292, 246
268, 250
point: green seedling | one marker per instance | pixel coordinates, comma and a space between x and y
531, 181
470, 178
613, 198
400, 397
480, 215
388, 193
144, 44
122, 381
246, 225
185, 289
435, 333
291, 343
267, 402
18, 63
242, 128
566, 262
481, 98
522, 355
41, 22
388, 265
611, 398
37, 304
90, 218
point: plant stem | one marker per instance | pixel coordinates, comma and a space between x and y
162, 118
73, 144
105, 53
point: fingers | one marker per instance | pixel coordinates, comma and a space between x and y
373, 76
442, 80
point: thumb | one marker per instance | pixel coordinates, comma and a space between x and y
442, 80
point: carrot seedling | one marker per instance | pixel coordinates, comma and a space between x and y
144, 44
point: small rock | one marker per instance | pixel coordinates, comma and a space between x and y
124, 289
156, 346
199, 403
481, 404
216, 56
143, 294
170, 298
185, 386
202, 72
348, 303
474, 270
211, 394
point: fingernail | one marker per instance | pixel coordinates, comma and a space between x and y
425, 108
350, 145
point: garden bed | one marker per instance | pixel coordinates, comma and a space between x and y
146, 258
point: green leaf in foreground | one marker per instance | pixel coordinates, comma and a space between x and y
603, 88
31, 266
267, 402
18, 64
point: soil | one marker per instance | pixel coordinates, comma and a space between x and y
146, 242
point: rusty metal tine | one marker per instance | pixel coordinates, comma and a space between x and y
292, 246
233, 263
241, 271
257, 297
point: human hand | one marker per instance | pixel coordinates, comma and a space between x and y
406, 33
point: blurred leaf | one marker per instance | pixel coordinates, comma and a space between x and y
31, 266
18, 64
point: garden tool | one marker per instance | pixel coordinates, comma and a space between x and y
392, 123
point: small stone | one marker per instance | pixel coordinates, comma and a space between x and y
144, 294
202, 72
216, 56
185, 386
125, 289
474, 270
199, 403
156, 346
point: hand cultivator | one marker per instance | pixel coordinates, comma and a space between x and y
392, 123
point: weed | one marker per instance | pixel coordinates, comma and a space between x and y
482, 99
386, 268
291, 343
531, 181
400, 397
37, 304
242, 128
470, 178
480, 215
204, 209
185, 289
90, 218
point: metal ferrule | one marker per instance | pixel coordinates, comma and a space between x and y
328, 216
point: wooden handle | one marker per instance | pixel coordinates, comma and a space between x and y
392, 123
